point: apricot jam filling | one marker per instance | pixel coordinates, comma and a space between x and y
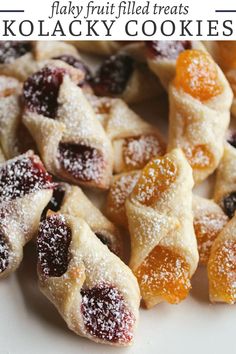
163, 274
155, 179
196, 74
207, 227
222, 272
198, 156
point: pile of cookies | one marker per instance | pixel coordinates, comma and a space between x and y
63, 127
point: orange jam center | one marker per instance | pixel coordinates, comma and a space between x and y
163, 274
196, 74
198, 156
138, 151
155, 179
207, 227
222, 272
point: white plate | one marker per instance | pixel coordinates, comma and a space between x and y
29, 324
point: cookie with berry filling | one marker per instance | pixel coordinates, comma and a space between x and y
21, 59
14, 137
94, 291
68, 199
225, 186
123, 76
70, 139
25, 190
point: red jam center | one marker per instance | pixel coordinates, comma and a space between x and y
22, 176
106, 315
167, 49
53, 243
82, 162
41, 91
11, 50
113, 75
229, 204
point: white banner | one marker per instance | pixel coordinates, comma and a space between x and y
117, 20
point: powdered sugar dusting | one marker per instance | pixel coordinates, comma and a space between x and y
167, 49
53, 242
164, 274
41, 91
119, 191
8, 86
113, 75
11, 50
222, 272
137, 151
22, 176
106, 315
207, 226
4, 253
84, 163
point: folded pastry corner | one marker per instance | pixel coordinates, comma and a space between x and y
162, 57
200, 99
121, 187
224, 53
20, 59
94, 291
14, 137
164, 252
16, 59
25, 190
70, 139
134, 141
71, 200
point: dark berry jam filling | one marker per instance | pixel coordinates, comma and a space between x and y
4, 253
113, 75
53, 243
82, 162
41, 91
229, 204
232, 139
22, 176
77, 64
106, 315
11, 50
167, 49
